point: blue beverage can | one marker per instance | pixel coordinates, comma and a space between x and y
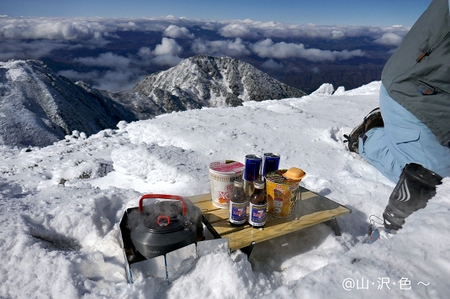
271, 163
252, 167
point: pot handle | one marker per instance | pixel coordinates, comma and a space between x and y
165, 196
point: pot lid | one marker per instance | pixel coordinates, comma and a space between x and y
163, 217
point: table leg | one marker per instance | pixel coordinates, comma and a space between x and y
334, 226
248, 250
210, 228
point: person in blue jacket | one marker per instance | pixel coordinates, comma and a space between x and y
408, 137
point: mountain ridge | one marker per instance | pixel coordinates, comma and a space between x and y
207, 81
38, 107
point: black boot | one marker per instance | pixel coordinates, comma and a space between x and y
372, 120
415, 187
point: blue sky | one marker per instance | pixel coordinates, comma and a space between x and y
319, 12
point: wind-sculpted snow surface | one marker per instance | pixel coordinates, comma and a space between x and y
60, 208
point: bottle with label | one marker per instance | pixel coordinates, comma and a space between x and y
238, 204
258, 206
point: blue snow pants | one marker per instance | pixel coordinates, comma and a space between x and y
403, 139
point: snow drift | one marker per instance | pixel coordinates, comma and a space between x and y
60, 207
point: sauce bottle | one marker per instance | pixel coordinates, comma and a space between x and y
238, 204
258, 206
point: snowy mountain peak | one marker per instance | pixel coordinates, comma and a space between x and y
206, 81
21, 70
37, 107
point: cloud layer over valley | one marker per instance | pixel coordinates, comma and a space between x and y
115, 54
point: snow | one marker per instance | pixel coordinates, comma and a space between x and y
61, 205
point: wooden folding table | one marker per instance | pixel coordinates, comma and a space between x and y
310, 209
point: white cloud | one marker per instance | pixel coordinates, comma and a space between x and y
337, 34
117, 79
268, 49
78, 76
272, 65
239, 30
34, 49
112, 80
145, 52
36, 38
230, 48
61, 29
105, 60
83, 29
389, 39
166, 60
168, 46
123, 72
165, 54
255, 30
174, 31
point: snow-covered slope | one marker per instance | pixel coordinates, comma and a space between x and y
60, 207
39, 108
206, 81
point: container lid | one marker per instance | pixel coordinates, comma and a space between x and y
294, 173
227, 166
278, 177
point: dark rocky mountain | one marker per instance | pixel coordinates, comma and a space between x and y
206, 81
38, 107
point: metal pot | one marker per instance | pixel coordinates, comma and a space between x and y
163, 226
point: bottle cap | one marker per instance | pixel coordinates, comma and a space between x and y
239, 182
258, 184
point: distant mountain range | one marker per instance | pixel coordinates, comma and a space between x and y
38, 107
